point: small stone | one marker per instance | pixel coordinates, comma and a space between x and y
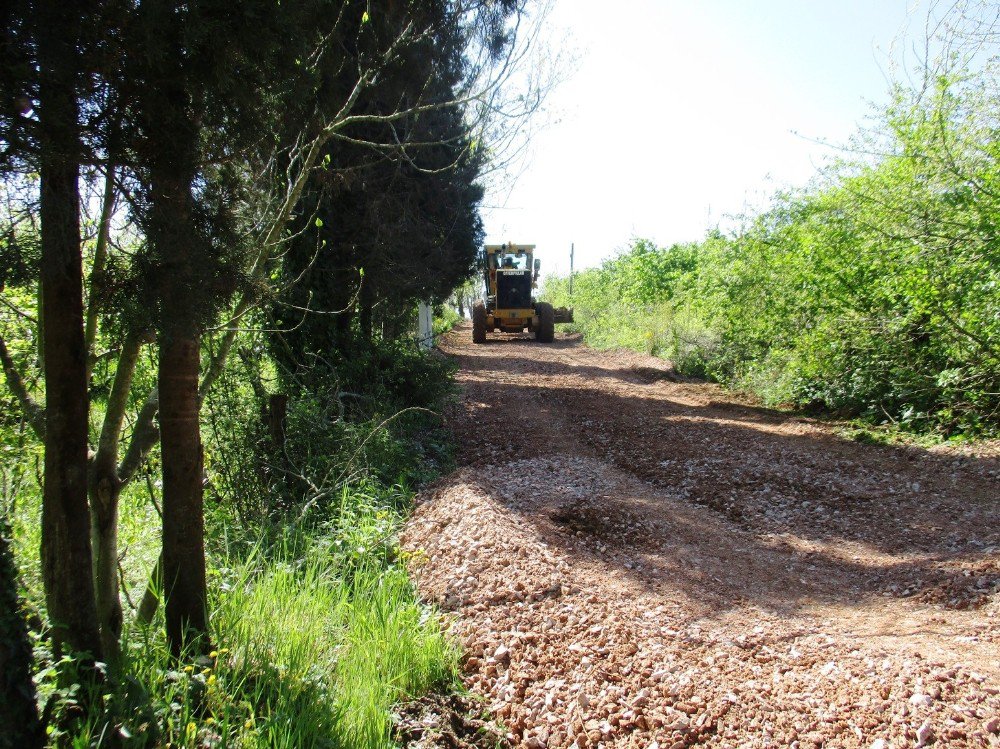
992, 725
924, 733
879, 744
921, 700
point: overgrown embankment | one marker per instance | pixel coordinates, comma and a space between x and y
872, 293
316, 631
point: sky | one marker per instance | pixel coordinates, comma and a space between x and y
679, 113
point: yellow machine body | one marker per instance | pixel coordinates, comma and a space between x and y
510, 273
510, 319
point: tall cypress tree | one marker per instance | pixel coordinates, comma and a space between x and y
397, 207
43, 83
207, 82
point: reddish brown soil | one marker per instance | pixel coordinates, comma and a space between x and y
633, 560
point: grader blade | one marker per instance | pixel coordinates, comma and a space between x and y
564, 314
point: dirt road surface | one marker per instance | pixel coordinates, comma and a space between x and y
632, 560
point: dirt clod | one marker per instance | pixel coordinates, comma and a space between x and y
446, 722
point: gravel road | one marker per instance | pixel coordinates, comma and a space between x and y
634, 560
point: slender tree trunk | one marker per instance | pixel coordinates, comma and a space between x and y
66, 552
33, 413
344, 280
104, 495
145, 435
169, 110
183, 502
97, 274
105, 490
184, 583
365, 304
151, 597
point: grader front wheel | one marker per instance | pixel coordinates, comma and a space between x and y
546, 323
479, 323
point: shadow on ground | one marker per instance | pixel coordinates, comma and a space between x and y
736, 504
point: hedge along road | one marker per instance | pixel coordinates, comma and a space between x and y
633, 560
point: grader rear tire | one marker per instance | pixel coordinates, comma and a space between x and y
546, 323
479, 323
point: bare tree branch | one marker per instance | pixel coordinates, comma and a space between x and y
145, 435
34, 413
97, 280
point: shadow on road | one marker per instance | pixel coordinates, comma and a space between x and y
738, 503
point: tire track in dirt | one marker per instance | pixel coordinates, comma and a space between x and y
636, 560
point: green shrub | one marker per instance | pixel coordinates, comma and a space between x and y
316, 628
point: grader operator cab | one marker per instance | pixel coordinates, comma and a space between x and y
511, 272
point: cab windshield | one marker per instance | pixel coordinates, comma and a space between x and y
514, 261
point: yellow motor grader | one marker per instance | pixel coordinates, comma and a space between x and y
511, 273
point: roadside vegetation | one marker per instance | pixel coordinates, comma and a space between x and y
874, 292
314, 628
216, 222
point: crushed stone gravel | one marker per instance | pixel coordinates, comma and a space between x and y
631, 559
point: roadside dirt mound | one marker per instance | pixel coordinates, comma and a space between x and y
667, 567
449, 721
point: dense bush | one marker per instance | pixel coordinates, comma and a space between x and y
316, 629
872, 293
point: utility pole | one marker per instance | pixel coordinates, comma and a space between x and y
571, 248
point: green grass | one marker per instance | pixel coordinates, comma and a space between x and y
316, 628
445, 318
858, 430
656, 329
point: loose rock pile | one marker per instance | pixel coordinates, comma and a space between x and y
578, 650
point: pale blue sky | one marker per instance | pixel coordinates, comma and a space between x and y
683, 111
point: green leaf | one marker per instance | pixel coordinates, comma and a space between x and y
319, 223
365, 18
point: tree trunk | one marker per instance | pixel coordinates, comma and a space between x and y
183, 501
98, 273
365, 304
66, 552
170, 112
343, 281
184, 585
277, 421
105, 490
19, 724
104, 495
151, 597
